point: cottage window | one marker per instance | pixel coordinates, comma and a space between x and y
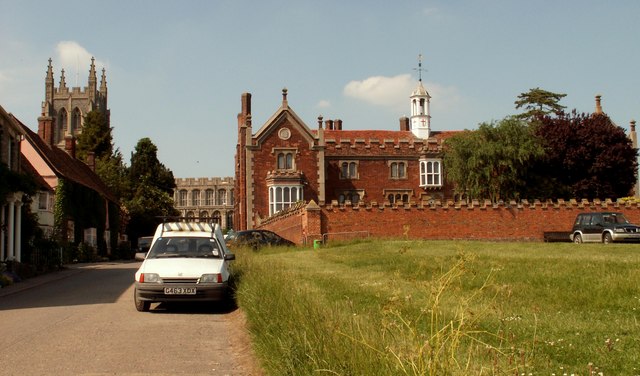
43, 201
282, 197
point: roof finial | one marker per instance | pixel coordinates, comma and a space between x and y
284, 96
419, 69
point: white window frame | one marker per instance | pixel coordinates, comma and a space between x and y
282, 197
431, 173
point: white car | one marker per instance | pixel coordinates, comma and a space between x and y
187, 261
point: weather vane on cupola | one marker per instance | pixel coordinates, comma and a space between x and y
419, 69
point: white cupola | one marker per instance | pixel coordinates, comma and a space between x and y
420, 115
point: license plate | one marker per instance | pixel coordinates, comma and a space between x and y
179, 290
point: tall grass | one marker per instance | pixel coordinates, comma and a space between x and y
444, 308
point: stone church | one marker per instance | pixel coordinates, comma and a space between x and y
66, 106
286, 161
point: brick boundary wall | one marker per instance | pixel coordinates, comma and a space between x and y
521, 221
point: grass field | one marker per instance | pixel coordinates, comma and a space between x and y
444, 308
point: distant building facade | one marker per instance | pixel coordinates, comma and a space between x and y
67, 106
206, 198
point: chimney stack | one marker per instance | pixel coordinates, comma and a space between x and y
45, 129
328, 124
246, 103
70, 145
319, 121
338, 124
598, 105
404, 124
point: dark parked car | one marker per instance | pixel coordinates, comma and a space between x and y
144, 243
257, 239
605, 227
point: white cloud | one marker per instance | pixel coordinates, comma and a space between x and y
75, 59
382, 91
323, 104
394, 92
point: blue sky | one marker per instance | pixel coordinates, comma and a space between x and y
176, 69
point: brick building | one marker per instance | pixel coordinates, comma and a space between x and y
286, 161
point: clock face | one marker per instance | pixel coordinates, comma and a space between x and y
284, 133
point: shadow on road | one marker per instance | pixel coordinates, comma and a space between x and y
95, 284
195, 307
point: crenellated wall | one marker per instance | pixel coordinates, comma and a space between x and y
522, 221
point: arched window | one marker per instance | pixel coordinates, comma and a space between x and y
182, 197
76, 121
209, 197
285, 160
216, 217
398, 170
195, 197
61, 126
222, 197
204, 214
349, 170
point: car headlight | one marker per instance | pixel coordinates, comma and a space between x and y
211, 278
149, 278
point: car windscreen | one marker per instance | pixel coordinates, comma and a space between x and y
189, 247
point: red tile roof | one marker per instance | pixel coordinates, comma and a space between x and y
67, 167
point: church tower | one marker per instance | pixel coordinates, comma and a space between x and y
65, 108
420, 116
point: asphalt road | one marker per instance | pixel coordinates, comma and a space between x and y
82, 321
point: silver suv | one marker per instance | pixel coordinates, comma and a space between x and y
605, 227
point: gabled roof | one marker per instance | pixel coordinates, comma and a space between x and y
276, 119
11, 122
67, 167
28, 168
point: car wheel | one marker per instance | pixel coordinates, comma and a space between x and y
141, 305
577, 238
606, 238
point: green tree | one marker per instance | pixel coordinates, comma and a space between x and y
144, 162
538, 103
586, 156
492, 161
115, 174
95, 137
152, 186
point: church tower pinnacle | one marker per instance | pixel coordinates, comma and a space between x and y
420, 102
